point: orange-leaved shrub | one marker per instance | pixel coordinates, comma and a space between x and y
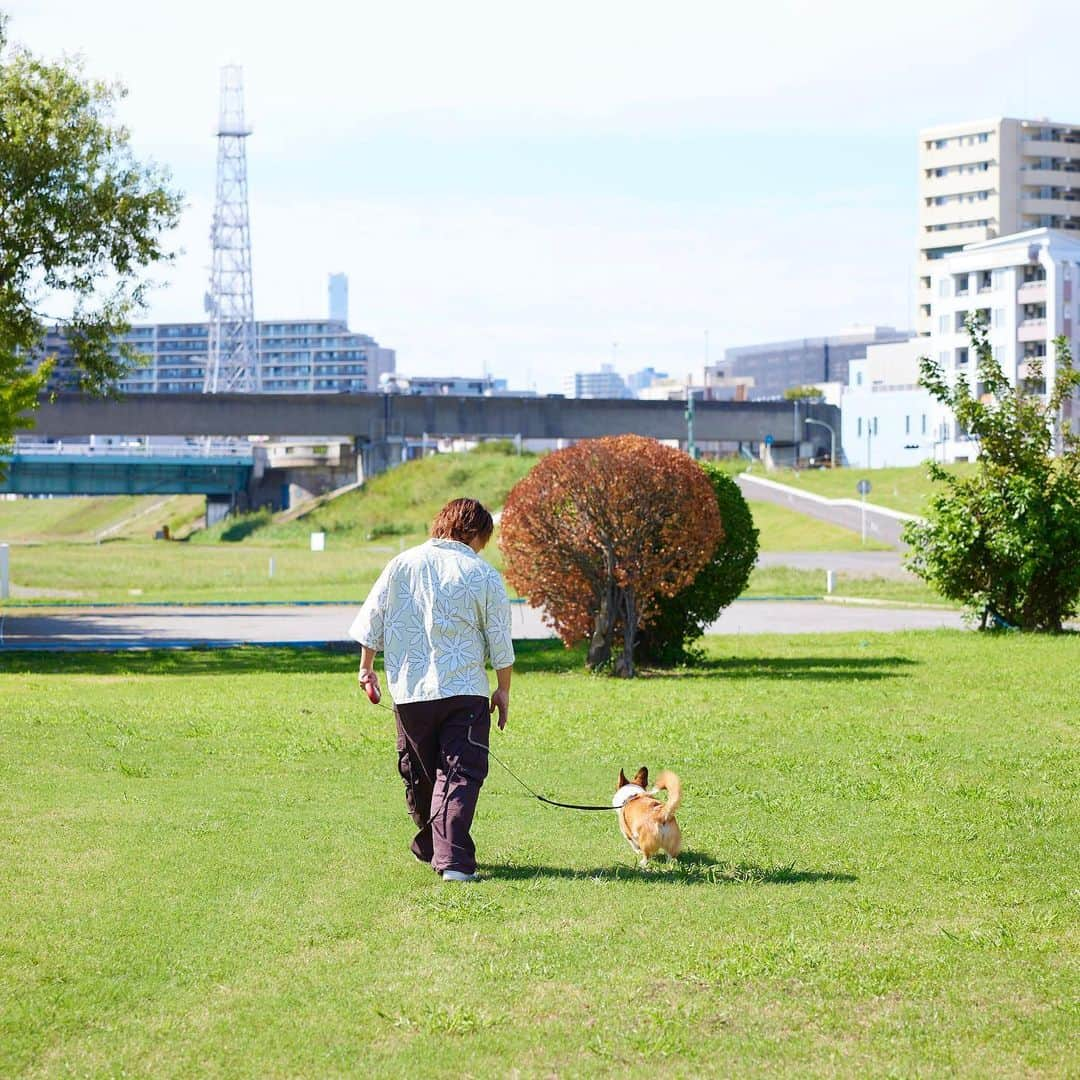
596, 534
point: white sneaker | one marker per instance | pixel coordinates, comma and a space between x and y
457, 875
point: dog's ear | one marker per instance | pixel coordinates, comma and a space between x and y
622, 779
641, 778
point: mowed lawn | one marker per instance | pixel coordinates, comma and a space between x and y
132, 571
204, 870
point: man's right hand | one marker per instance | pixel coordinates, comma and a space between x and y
369, 682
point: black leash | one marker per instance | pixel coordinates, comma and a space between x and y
534, 794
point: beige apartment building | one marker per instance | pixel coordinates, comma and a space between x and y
991, 178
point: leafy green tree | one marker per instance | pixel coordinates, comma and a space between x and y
681, 619
803, 393
1004, 540
81, 220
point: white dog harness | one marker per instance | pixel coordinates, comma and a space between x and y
625, 794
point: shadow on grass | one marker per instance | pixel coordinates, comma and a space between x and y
333, 658
692, 868
547, 657
805, 667
241, 660
533, 657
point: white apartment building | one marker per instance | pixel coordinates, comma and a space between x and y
990, 178
1026, 287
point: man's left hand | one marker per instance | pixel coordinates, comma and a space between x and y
501, 700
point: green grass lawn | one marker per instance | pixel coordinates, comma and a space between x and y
51, 560
904, 489
783, 581
782, 529
204, 870
130, 572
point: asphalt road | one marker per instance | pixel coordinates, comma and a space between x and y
180, 627
882, 524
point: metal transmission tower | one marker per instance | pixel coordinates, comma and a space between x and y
232, 362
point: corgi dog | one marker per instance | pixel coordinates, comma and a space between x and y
647, 823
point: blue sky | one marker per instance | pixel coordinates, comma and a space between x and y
516, 187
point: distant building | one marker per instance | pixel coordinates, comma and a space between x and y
641, 380
778, 365
991, 178
886, 418
708, 386
1026, 287
338, 298
449, 386
295, 356
605, 383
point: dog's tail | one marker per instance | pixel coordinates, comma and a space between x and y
669, 782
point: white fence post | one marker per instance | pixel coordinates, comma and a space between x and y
5, 570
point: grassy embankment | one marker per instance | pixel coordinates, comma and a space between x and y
231, 562
204, 870
906, 489
84, 520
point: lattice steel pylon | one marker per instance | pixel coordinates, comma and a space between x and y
232, 358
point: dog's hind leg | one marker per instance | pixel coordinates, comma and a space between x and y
672, 840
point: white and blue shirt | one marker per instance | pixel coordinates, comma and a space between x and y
437, 612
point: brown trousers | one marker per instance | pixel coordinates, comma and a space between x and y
443, 773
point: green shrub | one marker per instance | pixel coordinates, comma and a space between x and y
1003, 540
496, 446
682, 618
390, 528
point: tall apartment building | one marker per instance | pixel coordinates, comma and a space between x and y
296, 356
990, 178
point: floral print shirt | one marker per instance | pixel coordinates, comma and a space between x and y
437, 612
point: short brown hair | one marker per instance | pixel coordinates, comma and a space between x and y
462, 520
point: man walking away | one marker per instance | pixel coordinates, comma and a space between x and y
437, 612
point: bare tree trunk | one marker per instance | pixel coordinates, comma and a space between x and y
624, 666
603, 628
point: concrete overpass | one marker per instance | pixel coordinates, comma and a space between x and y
376, 418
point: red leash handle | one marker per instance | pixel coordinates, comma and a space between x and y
370, 682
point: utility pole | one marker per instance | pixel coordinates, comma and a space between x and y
232, 363
691, 447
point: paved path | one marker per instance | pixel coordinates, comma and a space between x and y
882, 524
179, 627
885, 564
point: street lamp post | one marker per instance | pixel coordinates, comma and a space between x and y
832, 439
